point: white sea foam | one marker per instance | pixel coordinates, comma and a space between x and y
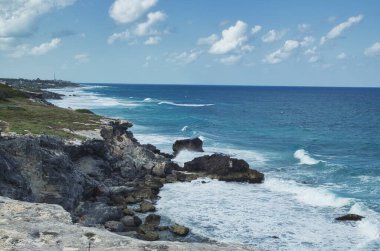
253, 214
184, 105
313, 196
184, 128
370, 225
81, 97
148, 100
305, 158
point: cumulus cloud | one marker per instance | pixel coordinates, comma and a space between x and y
125, 35
18, 17
186, 57
373, 50
152, 40
256, 29
82, 58
340, 28
273, 35
283, 53
232, 38
39, 50
145, 28
208, 40
127, 11
230, 60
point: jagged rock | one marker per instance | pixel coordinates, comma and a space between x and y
93, 213
224, 168
350, 217
195, 145
114, 226
153, 220
35, 227
179, 230
157, 151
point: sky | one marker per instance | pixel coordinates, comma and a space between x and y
236, 42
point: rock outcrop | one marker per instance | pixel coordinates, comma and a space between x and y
350, 217
33, 227
195, 145
224, 168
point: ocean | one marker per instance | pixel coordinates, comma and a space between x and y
319, 149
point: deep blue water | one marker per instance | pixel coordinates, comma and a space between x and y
326, 139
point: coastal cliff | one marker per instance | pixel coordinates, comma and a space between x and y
96, 170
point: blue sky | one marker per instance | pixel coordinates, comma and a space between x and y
272, 42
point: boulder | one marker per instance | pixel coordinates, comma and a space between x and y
179, 230
114, 226
93, 213
225, 168
147, 232
131, 221
153, 220
350, 217
145, 207
195, 145
128, 211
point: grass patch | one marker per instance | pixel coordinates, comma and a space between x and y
84, 111
7, 92
24, 116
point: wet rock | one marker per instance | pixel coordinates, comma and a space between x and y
350, 217
195, 145
147, 232
114, 226
153, 220
131, 222
128, 211
224, 168
145, 207
179, 230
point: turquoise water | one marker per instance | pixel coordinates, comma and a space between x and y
319, 149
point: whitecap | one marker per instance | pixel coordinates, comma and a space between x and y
184, 128
148, 100
313, 196
305, 158
184, 105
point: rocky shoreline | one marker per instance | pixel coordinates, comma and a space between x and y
109, 182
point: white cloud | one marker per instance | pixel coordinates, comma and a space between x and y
312, 54
341, 56
283, 53
374, 50
184, 57
304, 27
82, 58
314, 59
44, 48
273, 35
340, 28
152, 40
307, 41
230, 60
39, 50
208, 40
18, 17
232, 38
145, 28
256, 29
126, 11
125, 35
